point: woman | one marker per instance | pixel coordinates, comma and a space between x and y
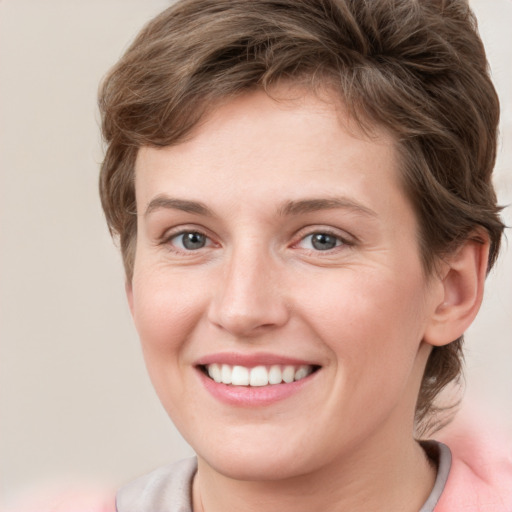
302, 193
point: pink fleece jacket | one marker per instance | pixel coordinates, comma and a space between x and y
480, 478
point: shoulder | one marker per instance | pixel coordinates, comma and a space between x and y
480, 477
166, 488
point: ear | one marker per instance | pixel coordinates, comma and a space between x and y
462, 280
128, 287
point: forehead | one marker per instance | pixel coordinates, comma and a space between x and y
291, 135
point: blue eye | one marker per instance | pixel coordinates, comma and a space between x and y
320, 241
190, 240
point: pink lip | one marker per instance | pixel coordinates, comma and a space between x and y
251, 360
248, 396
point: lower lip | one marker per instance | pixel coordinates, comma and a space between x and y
252, 396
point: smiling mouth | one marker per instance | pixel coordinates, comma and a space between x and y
257, 376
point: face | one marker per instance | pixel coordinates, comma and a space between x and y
278, 290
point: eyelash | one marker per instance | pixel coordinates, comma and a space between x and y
340, 241
168, 240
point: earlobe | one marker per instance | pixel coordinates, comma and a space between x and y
462, 282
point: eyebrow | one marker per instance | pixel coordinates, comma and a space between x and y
289, 208
163, 201
318, 204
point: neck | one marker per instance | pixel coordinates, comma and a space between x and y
399, 478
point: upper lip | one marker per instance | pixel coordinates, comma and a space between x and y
251, 360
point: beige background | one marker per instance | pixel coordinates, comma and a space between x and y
75, 399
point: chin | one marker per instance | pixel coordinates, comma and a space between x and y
259, 460
261, 468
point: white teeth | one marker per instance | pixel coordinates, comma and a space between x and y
214, 372
302, 371
258, 375
275, 375
240, 376
288, 374
225, 373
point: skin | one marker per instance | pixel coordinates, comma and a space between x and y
363, 310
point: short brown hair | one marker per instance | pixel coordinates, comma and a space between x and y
416, 67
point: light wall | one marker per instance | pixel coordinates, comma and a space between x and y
75, 399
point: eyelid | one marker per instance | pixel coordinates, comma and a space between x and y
169, 234
338, 241
177, 236
345, 238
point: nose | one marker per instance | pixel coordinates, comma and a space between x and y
250, 297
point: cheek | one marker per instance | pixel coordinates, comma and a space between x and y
372, 318
165, 309
373, 327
